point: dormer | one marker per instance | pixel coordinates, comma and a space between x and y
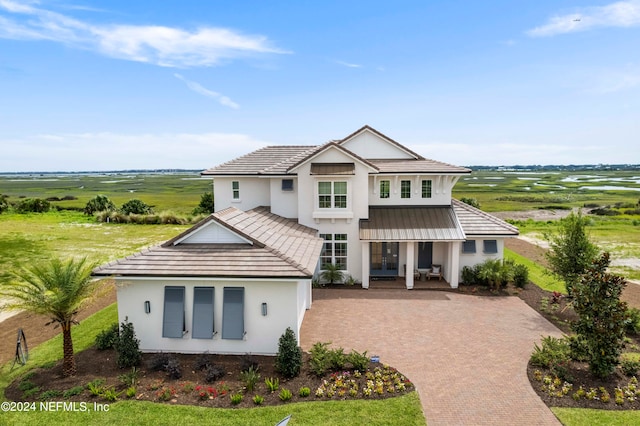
368, 143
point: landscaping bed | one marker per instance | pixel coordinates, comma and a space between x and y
192, 388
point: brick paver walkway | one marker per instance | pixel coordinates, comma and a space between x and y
467, 355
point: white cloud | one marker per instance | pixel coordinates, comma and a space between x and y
617, 81
117, 151
619, 14
158, 45
348, 64
198, 88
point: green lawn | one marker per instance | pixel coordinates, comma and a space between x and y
538, 274
405, 410
591, 417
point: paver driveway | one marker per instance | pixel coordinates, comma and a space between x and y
467, 355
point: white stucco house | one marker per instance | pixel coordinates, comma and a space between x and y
234, 282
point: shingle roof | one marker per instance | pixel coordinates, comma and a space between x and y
424, 165
271, 160
477, 222
428, 223
281, 248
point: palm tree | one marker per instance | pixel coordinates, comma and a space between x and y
57, 289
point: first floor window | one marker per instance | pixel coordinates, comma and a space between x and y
405, 189
173, 317
202, 327
490, 246
384, 188
233, 313
334, 251
426, 189
469, 246
235, 186
332, 195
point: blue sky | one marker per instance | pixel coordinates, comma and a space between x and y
88, 85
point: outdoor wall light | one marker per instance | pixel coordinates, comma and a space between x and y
264, 309
147, 307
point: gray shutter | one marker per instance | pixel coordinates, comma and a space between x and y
469, 246
233, 313
173, 320
202, 327
490, 246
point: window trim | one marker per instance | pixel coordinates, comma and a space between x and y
333, 195
235, 190
171, 325
200, 326
331, 242
427, 190
385, 189
405, 189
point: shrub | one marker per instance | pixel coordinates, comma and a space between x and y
127, 346
214, 372
158, 361
319, 362
258, 399
250, 377
130, 392
76, 390
107, 339
109, 395
247, 362
520, 275
304, 392
553, 352
49, 394
632, 321
99, 203
202, 362
469, 275
337, 359
289, 358
173, 368
630, 367
272, 384
206, 205
4, 205
135, 206
359, 361
33, 205
236, 398
285, 395
579, 348
471, 201
130, 378
331, 273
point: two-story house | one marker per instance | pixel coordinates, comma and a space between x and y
234, 282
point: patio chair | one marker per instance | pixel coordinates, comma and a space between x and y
435, 272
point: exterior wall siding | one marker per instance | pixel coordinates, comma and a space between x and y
284, 203
471, 259
284, 310
254, 192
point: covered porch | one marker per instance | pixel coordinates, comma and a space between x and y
399, 283
417, 244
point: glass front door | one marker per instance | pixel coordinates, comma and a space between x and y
384, 259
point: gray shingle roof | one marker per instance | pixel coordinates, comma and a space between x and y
476, 222
271, 160
281, 248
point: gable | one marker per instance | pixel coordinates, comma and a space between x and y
212, 233
372, 145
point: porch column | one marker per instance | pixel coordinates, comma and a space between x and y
454, 265
365, 264
410, 264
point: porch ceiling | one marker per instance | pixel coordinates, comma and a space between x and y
411, 224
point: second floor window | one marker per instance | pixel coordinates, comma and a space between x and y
426, 189
332, 195
405, 189
235, 186
384, 188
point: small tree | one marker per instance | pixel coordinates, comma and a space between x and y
601, 316
570, 251
127, 346
206, 205
471, 201
331, 273
99, 203
289, 357
4, 205
135, 206
33, 205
